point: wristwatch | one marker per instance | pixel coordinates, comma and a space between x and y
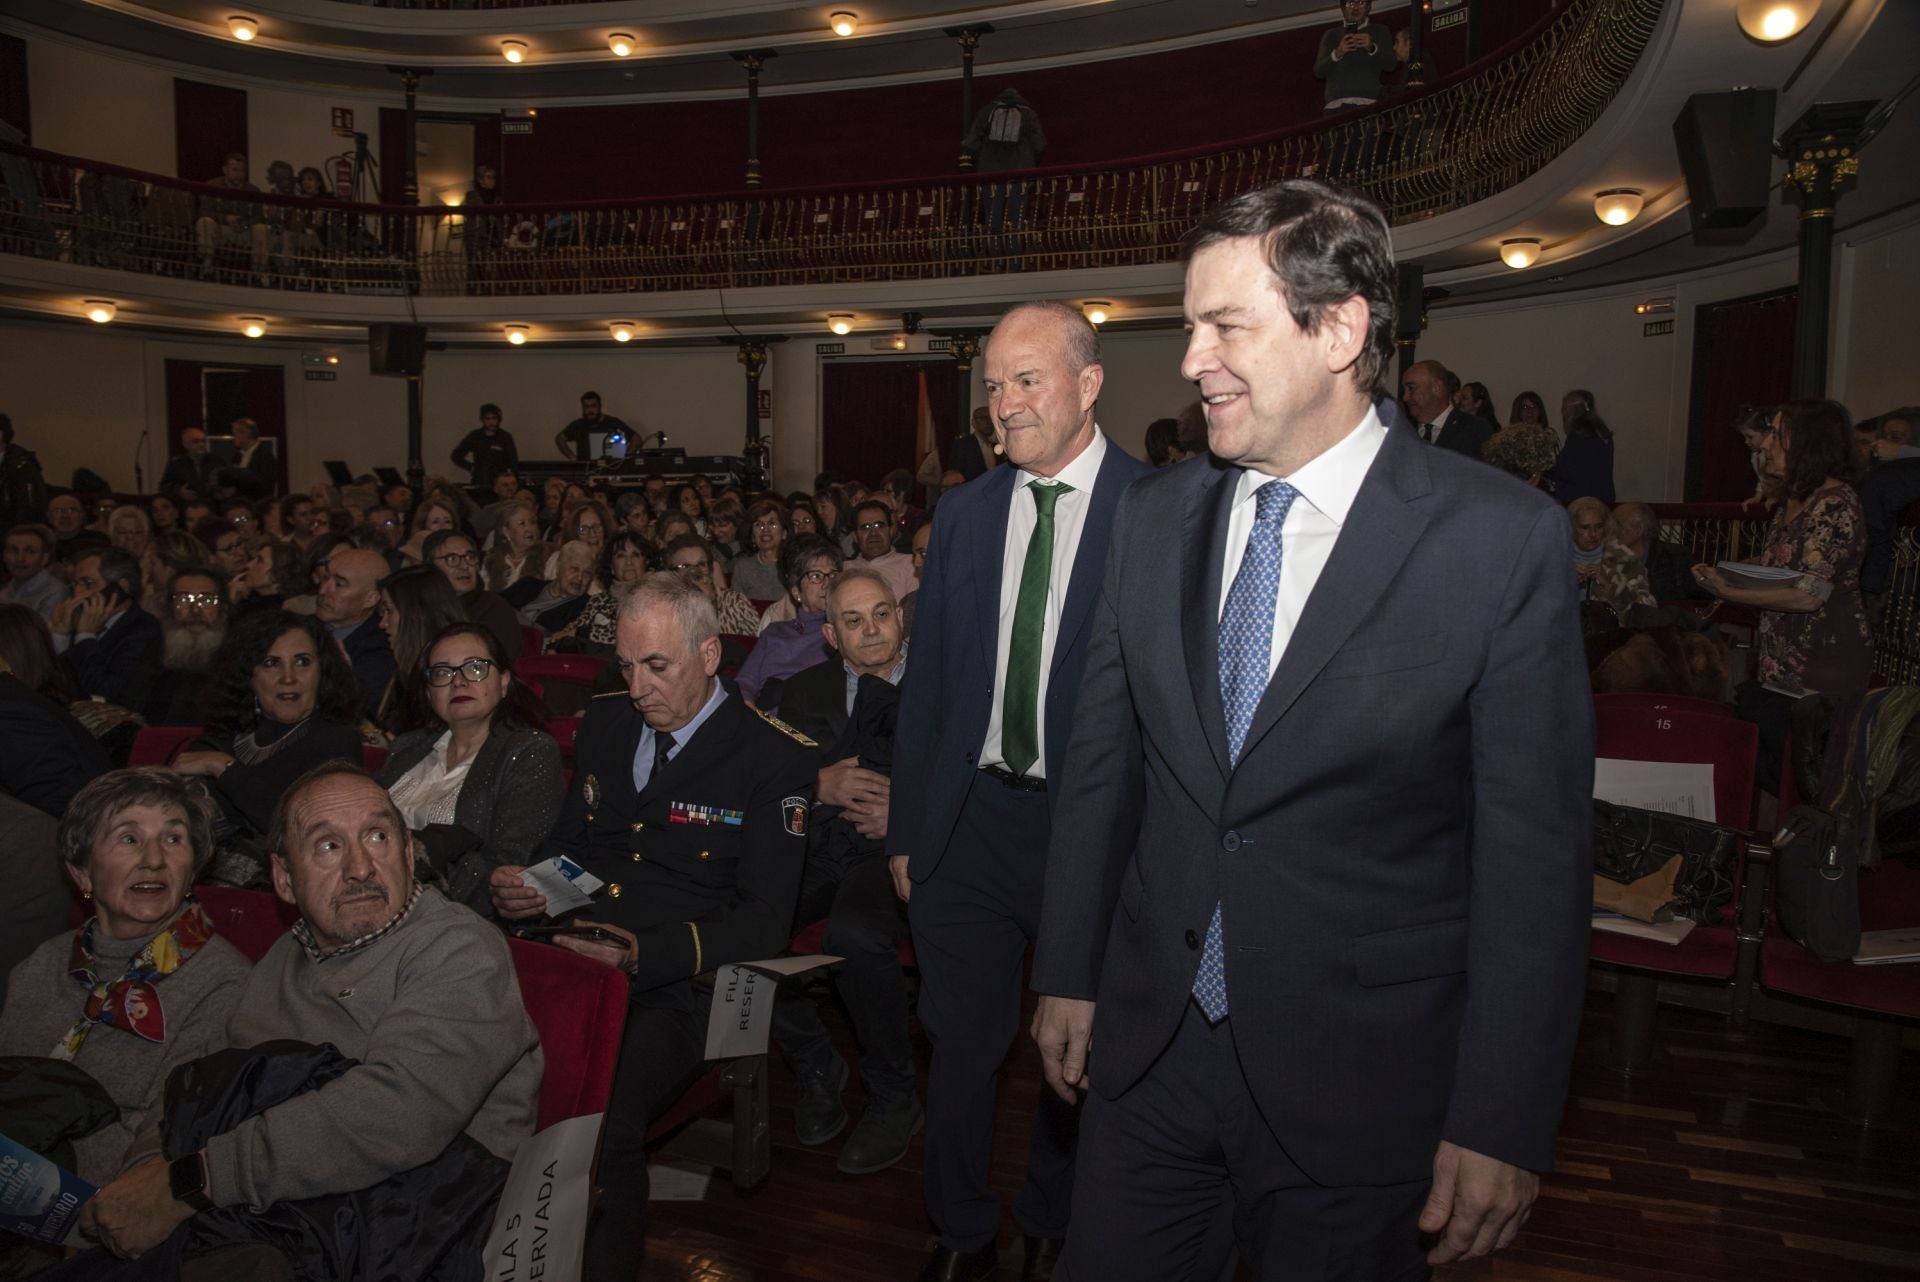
187, 1181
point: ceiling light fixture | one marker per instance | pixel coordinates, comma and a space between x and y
900, 342
1618, 206
1519, 254
253, 326
840, 322
622, 331
514, 51
844, 22
1096, 310
101, 310
516, 334
621, 43
242, 27
1771, 21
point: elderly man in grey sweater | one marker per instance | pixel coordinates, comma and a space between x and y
421, 992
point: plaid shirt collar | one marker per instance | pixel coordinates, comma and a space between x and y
304, 933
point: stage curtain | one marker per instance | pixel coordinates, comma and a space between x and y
209, 122
1742, 358
867, 413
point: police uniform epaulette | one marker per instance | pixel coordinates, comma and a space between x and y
609, 694
785, 729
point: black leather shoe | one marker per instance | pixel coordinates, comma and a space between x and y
818, 1114
1042, 1253
949, 1265
882, 1137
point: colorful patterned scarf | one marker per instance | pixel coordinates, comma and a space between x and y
131, 1001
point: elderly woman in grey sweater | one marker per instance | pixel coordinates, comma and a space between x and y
480, 784
145, 984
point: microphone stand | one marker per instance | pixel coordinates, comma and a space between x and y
139, 453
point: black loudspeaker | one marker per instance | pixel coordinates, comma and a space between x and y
1412, 302
397, 349
1726, 152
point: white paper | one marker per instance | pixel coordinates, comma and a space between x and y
1671, 787
567, 886
742, 1017
540, 1227
1666, 932
1775, 573
677, 1182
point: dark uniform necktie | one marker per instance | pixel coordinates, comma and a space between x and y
662, 745
1426, 432
1020, 712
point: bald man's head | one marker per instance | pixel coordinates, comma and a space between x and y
349, 587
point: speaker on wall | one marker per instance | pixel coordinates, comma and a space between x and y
1725, 142
397, 349
1411, 301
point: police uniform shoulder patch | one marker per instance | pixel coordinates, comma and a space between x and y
609, 694
786, 729
793, 813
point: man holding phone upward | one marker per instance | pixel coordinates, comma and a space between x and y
1353, 57
692, 808
110, 645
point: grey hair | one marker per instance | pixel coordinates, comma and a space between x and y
578, 550
1635, 519
95, 807
1083, 340
699, 621
280, 826
854, 574
117, 566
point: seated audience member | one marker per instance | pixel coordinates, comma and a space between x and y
625, 560
1585, 467
896, 490
801, 518
416, 605
585, 521
346, 600
67, 516
1669, 568
431, 1073
478, 782
1531, 408
453, 553
190, 473
806, 566
232, 223
561, 599
684, 897
1813, 634
756, 574
847, 703
922, 540
46, 756
692, 556
164, 513
1527, 451
435, 515
301, 521
129, 530
30, 581
145, 984
263, 584
191, 633
1163, 443
222, 546
111, 646
282, 701
873, 534
671, 526
725, 525
517, 552
1429, 404
686, 500
1608, 573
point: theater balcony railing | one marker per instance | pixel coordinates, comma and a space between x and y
1478, 133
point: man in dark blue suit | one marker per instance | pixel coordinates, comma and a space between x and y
999, 641
1319, 886
1435, 417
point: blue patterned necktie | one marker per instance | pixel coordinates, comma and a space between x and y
1246, 646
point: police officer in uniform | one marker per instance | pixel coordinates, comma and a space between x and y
692, 807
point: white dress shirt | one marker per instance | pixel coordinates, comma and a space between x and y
1069, 520
428, 793
1439, 424
1327, 489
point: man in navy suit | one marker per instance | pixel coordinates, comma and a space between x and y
999, 641
1430, 404
1319, 886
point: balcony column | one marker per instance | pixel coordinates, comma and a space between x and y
752, 354
753, 60
969, 38
1821, 160
965, 351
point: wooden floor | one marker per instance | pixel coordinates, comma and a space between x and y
1720, 1164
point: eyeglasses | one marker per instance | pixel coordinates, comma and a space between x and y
241, 520
474, 670
196, 598
458, 558
689, 567
817, 576
765, 525
873, 525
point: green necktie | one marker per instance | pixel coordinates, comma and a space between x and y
1020, 714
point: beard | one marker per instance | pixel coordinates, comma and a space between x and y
189, 647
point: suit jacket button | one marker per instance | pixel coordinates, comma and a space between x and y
705, 853
613, 892
639, 827
1193, 940
1230, 842
636, 856
589, 816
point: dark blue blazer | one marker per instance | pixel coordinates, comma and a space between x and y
373, 664
1400, 853
122, 665
947, 694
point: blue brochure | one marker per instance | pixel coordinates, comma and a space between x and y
38, 1198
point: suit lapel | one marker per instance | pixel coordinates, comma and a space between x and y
1090, 558
1380, 532
1202, 555
989, 548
